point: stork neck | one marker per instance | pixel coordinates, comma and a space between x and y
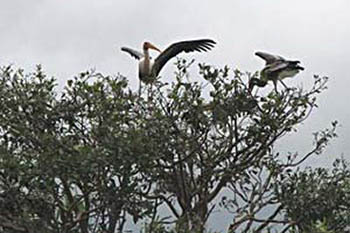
146, 53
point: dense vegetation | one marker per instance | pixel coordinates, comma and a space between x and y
97, 155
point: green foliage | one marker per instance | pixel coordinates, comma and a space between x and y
84, 159
317, 197
68, 159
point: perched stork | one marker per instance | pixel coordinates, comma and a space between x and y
149, 70
276, 69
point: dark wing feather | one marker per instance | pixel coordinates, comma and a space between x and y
299, 67
137, 55
269, 58
295, 64
176, 48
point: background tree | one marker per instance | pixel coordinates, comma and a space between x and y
225, 140
83, 159
67, 162
314, 196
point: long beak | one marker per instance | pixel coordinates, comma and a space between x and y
151, 46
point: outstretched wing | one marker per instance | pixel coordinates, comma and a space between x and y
136, 54
269, 58
176, 48
277, 66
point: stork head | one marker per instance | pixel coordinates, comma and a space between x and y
148, 45
256, 82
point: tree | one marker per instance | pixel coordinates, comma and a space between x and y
84, 159
315, 196
224, 141
68, 162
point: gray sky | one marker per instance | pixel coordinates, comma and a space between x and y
72, 36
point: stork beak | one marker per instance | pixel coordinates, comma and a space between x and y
151, 46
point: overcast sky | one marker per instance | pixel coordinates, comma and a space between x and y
67, 37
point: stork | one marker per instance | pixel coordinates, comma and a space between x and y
149, 69
276, 69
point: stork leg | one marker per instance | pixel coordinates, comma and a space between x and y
284, 84
140, 85
275, 85
149, 92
